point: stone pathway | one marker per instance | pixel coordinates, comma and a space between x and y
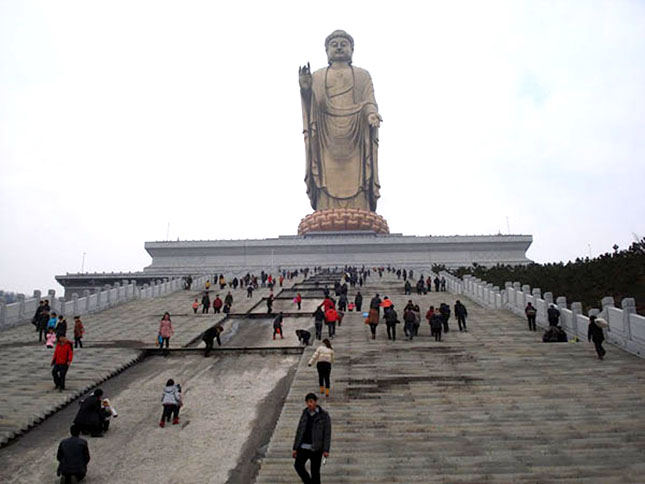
113, 341
492, 405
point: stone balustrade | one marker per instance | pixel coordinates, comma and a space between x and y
626, 328
24, 308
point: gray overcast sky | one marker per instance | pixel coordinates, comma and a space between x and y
119, 117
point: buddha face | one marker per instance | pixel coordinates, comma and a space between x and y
339, 50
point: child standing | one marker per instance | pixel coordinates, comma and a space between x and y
171, 401
195, 306
79, 331
50, 339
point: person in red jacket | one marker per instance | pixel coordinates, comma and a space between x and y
331, 317
217, 304
63, 355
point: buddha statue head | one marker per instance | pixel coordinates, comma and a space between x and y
339, 46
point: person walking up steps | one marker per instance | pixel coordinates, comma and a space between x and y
531, 314
391, 320
171, 401
319, 318
596, 334
461, 313
277, 326
312, 441
206, 303
358, 301
79, 331
372, 321
323, 357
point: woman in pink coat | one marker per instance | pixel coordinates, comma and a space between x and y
165, 330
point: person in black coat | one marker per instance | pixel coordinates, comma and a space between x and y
358, 301
211, 334
553, 315
596, 334
461, 314
73, 456
91, 415
312, 441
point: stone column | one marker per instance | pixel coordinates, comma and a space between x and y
51, 296
37, 295
108, 296
537, 293
629, 307
22, 314
548, 298
75, 306
607, 302
3, 312
86, 305
576, 309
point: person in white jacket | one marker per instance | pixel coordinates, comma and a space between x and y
323, 357
171, 401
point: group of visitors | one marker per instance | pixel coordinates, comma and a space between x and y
218, 305
556, 334
424, 286
437, 318
51, 326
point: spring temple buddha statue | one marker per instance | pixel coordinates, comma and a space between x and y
340, 127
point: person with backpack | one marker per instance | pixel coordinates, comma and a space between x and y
391, 320
531, 314
461, 314
444, 310
597, 335
323, 357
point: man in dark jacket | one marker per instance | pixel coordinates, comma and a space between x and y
209, 335
391, 318
206, 303
444, 310
375, 303
596, 334
91, 415
553, 315
358, 301
409, 318
73, 456
461, 313
313, 440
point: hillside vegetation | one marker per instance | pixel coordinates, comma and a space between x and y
619, 274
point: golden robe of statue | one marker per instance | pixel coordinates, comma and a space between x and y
340, 126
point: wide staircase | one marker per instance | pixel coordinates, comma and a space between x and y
493, 404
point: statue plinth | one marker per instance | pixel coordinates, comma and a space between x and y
343, 219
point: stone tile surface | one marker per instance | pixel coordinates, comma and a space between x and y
492, 405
